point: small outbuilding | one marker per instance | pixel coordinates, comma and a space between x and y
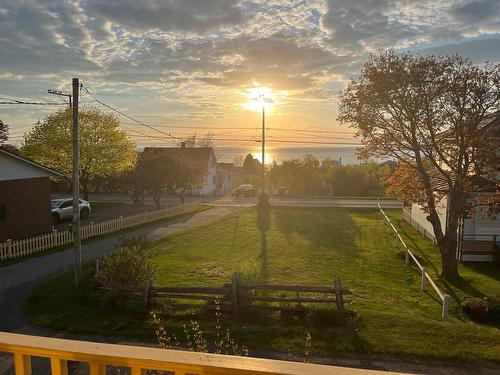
25, 208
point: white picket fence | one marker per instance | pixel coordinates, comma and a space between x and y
425, 277
19, 248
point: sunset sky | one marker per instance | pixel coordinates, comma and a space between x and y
189, 65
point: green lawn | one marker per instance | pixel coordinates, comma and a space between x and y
303, 246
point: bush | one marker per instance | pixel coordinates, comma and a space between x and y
476, 308
130, 265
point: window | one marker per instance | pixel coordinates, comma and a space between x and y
66, 204
3, 213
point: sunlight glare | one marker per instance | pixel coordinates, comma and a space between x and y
258, 97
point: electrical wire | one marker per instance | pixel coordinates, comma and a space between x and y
129, 117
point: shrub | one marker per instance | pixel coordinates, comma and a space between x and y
130, 265
476, 308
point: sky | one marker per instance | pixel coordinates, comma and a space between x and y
191, 65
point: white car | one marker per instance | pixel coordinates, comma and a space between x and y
62, 209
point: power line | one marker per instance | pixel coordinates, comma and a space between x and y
18, 102
312, 131
129, 117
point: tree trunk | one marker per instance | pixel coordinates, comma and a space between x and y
183, 199
156, 199
449, 267
85, 188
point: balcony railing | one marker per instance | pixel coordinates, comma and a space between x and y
139, 359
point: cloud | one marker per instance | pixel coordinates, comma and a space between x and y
481, 51
186, 15
476, 11
193, 52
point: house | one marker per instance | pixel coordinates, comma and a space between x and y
205, 156
24, 197
479, 231
224, 178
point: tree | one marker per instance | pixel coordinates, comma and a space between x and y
300, 177
156, 170
251, 165
356, 180
152, 173
426, 113
4, 137
195, 141
105, 149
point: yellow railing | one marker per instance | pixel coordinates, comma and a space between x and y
140, 359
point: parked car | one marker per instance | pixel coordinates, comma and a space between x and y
62, 209
245, 190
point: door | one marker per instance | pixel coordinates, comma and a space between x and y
66, 209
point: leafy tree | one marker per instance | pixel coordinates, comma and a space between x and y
105, 149
300, 177
426, 112
155, 171
4, 137
251, 165
356, 180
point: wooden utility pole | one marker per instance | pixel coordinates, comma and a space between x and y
76, 187
262, 169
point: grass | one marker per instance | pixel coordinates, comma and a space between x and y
303, 246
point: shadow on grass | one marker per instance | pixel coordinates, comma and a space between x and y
332, 228
461, 284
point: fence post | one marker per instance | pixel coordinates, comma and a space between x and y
422, 282
145, 216
9, 248
407, 255
339, 298
235, 291
91, 234
54, 237
120, 221
446, 305
147, 292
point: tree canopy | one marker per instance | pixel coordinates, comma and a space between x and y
427, 113
4, 137
105, 149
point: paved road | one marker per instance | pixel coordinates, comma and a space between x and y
307, 202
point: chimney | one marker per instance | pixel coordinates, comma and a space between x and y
183, 144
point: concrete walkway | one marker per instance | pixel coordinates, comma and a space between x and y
18, 280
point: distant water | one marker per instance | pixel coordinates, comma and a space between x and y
347, 154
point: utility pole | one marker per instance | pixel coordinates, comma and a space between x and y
262, 167
60, 93
76, 187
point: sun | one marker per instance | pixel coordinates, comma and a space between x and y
259, 97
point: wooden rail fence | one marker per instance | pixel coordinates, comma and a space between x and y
231, 297
425, 277
14, 249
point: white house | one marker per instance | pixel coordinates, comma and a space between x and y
203, 155
479, 232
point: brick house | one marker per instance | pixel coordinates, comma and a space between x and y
24, 197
